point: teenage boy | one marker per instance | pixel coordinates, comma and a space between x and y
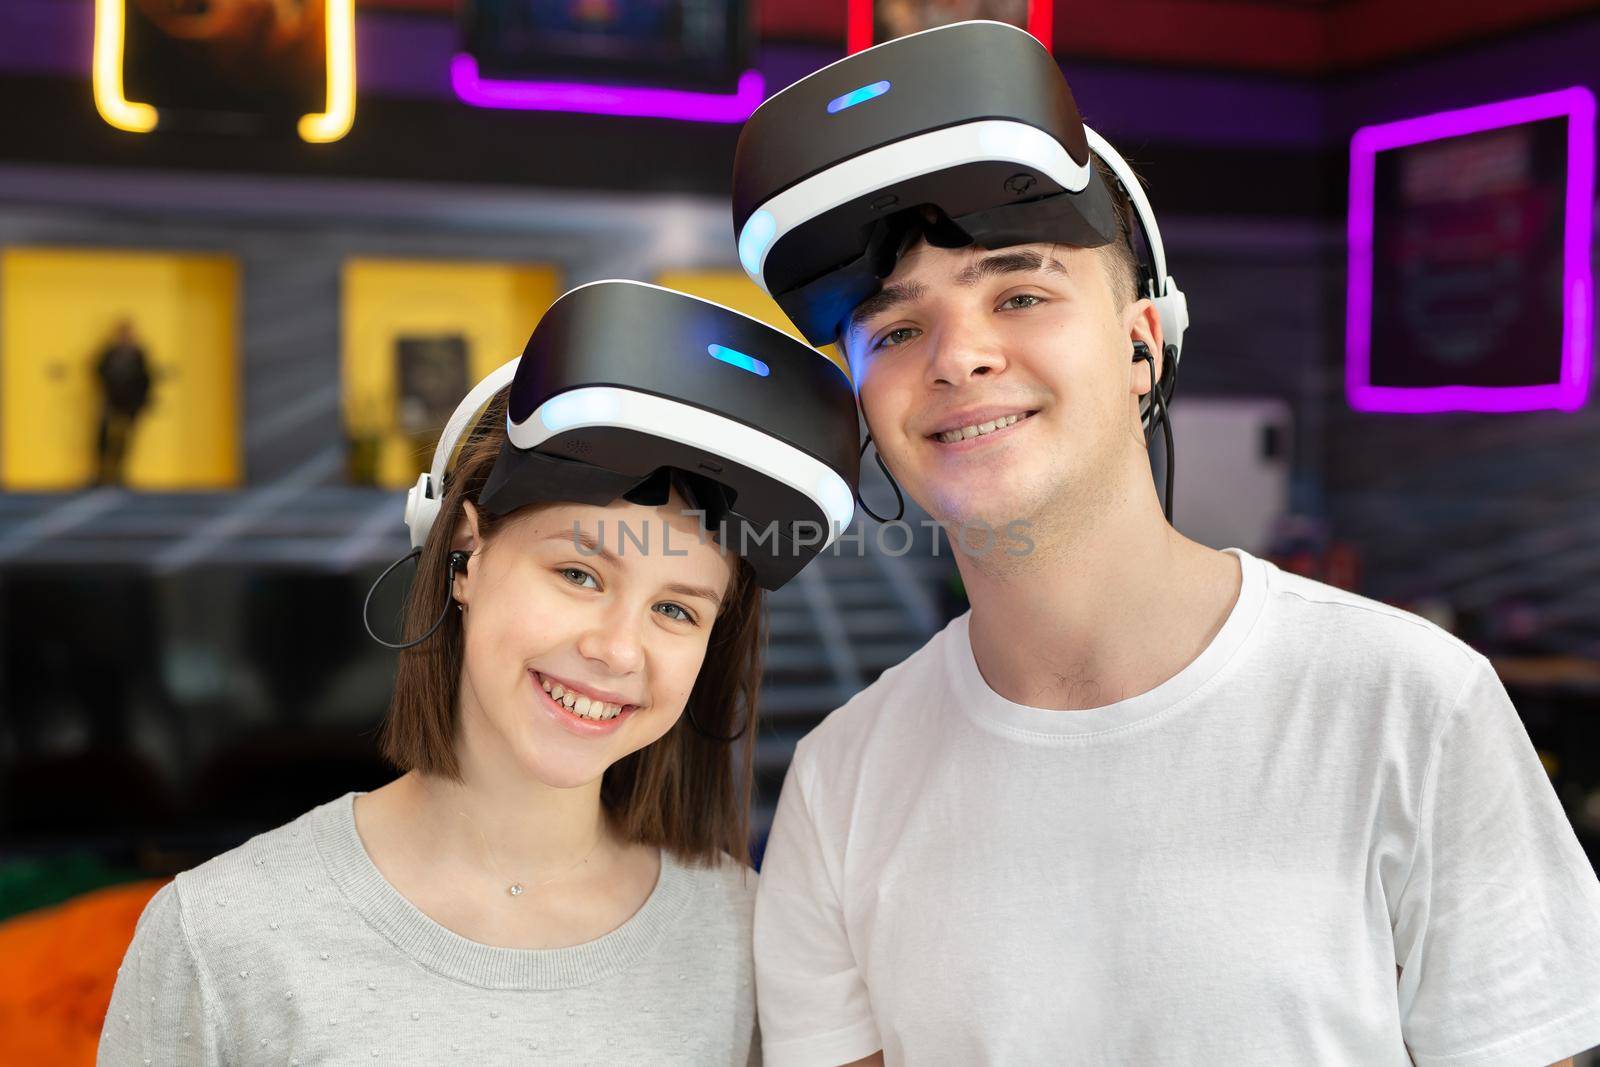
1147, 802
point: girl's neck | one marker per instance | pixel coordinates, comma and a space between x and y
415, 834
523, 830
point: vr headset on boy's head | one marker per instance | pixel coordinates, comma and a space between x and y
973, 119
626, 387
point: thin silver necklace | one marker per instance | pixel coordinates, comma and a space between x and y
516, 888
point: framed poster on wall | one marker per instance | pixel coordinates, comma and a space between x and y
676, 59
245, 67
416, 334
118, 367
1470, 237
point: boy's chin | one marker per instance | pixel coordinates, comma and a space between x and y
975, 510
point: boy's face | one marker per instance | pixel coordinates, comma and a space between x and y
972, 336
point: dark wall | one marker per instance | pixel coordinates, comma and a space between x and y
1494, 517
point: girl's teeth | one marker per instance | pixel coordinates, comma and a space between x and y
586, 707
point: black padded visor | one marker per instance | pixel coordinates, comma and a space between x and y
521, 478
776, 530
820, 305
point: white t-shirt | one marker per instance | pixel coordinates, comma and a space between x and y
1227, 869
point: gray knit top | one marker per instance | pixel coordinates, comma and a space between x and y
294, 949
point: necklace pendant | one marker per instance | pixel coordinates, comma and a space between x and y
516, 889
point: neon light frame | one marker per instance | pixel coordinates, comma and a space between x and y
1577, 104
592, 99
135, 117
858, 24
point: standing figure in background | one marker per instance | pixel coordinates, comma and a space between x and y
124, 375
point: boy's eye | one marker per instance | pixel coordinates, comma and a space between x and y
682, 616
1029, 297
582, 574
897, 336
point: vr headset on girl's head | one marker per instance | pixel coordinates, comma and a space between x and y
624, 386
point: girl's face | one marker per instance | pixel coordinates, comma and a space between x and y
584, 630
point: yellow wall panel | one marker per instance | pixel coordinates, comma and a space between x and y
494, 306
732, 288
60, 306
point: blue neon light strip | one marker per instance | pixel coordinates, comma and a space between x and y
856, 96
758, 232
738, 359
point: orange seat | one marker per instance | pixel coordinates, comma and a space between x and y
57, 968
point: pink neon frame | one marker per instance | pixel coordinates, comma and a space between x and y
590, 99
1577, 344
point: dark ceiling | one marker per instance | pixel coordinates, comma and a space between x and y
1303, 37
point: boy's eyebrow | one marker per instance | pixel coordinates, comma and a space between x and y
885, 299
1019, 262
892, 296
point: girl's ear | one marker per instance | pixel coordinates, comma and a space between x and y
465, 539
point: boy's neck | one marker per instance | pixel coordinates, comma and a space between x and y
1099, 610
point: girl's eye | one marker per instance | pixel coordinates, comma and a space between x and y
1012, 301
894, 337
565, 571
683, 614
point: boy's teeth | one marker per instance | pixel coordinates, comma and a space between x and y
950, 437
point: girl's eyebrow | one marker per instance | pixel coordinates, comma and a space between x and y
593, 547
703, 592
585, 540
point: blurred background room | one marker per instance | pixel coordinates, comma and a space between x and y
253, 252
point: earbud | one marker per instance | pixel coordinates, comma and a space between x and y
457, 561
1157, 412
1141, 354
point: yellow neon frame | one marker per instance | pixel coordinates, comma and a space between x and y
318, 127
334, 122
115, 108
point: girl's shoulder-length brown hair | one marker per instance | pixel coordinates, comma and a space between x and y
686, 792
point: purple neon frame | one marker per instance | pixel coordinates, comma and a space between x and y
607, 99
1577, 344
